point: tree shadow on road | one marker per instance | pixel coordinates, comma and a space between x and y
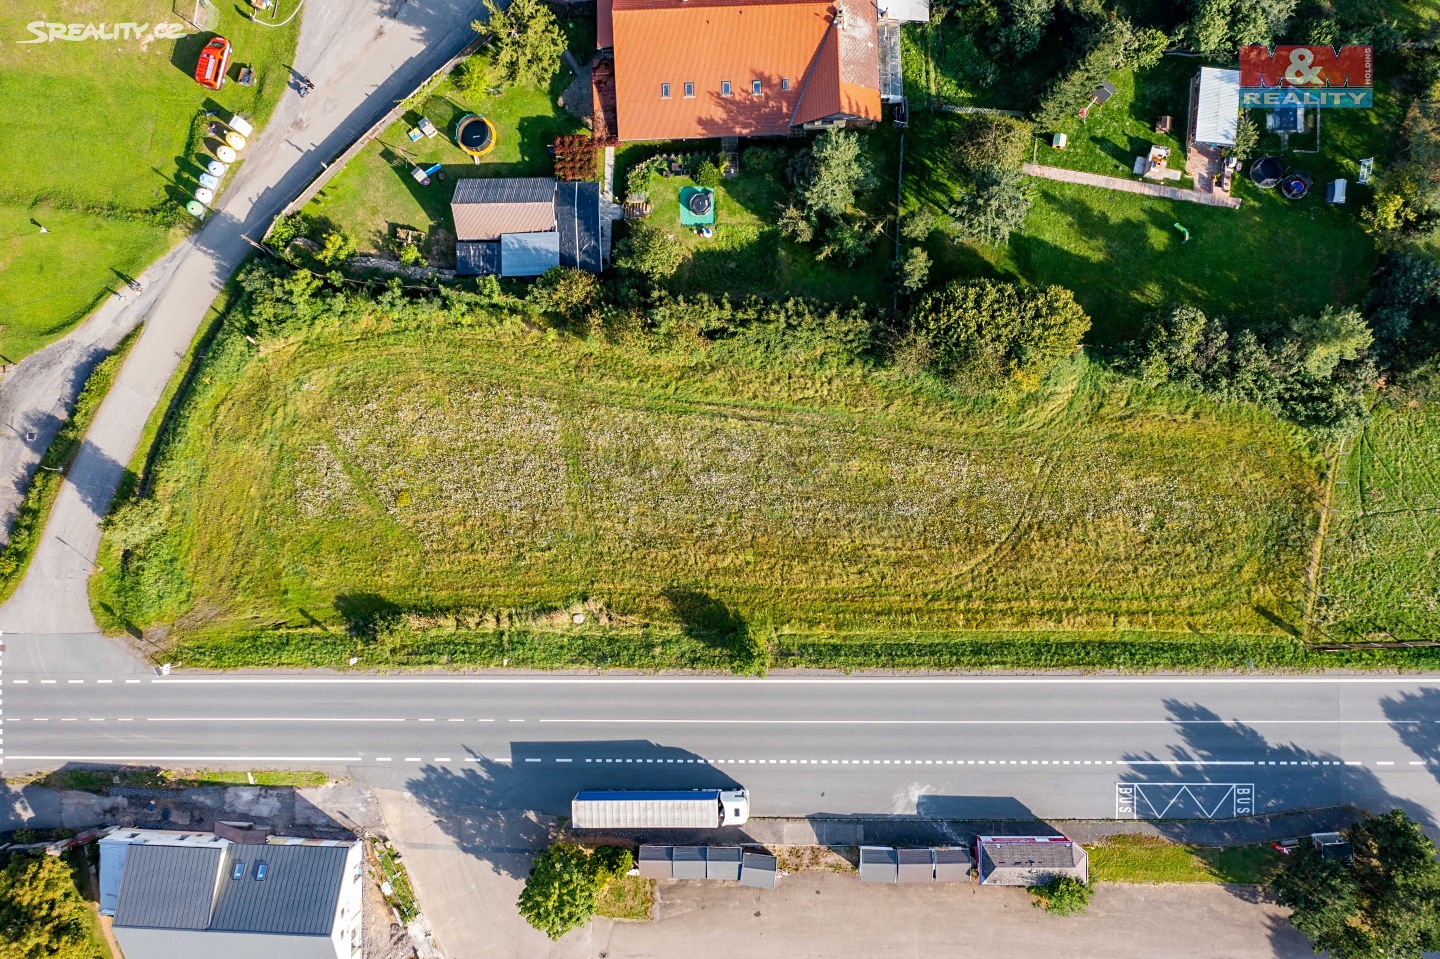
1416, 719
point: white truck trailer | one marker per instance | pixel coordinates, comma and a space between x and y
659, 809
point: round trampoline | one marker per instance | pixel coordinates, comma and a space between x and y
700, 202
1266, 173
475, 135
1295, 185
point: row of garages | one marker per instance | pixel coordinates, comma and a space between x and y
996, 860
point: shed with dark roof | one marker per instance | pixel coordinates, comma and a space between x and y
878, 864
916, 865
759, 870
723, 862
952, 864
1029, 860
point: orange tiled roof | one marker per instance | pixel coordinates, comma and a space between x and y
781, 43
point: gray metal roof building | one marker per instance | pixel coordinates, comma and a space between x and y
758, 870
187, 895
1029, 860
522, 226
878, 864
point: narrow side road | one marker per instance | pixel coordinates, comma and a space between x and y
363, 55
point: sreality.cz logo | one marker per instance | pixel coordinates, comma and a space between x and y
1307, 76
45, 32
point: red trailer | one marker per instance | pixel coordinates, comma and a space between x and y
214, 61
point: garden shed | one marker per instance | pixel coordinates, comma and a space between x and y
1214, 107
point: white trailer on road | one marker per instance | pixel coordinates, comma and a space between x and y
659, 809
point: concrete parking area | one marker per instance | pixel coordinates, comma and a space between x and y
468, 864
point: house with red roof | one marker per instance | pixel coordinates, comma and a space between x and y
687, 69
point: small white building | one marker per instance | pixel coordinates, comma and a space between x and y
1215, 107
199, 895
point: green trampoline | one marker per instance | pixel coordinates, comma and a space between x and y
697, 206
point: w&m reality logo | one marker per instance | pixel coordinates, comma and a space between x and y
1307, 76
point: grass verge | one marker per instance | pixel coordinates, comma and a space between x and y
627, 897
86, 779
1150, 859
45, 486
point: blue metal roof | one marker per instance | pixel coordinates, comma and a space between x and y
528, 254
645, 795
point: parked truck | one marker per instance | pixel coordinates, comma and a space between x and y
659, 809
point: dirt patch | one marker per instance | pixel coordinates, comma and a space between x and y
792, 859
382, 936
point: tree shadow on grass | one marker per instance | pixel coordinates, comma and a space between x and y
366, 614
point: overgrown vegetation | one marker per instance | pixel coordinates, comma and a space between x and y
401, 895
563, 889
646, 475
101, 780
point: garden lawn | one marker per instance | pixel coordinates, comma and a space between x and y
1150, 859
96, 145
375, 194
747, 255
454, 496
1124, 258
1382, 568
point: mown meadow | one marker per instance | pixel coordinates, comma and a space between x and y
1382, 575
475, 489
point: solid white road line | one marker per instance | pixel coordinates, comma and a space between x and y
274, 719
987, 722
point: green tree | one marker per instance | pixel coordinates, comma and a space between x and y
566, 292
991, 333
913, 271
1332, 336
41, 913
1062, 896
1247, 138
1386, 903
526, 42
998, 206
565, 883
1116, 44
984, 143
560, 892
1218, 28
832, 173
651, 252
1022, 26
709, 172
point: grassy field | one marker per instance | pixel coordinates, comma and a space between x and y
1149, 859
1382, 567
375, 193
454, 496
96, 142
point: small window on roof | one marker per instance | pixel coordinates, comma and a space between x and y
238, 871
755, 87
689, 88
260, 870
784, 83
664, 91
724, 88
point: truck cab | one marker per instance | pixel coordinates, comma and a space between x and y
734, 806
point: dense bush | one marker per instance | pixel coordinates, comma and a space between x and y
564, 885
42, 914
708, 172
1313, 370
1062, 896
1404, 309
1218, 28
988, 334
998, 205
651, 251
792, 331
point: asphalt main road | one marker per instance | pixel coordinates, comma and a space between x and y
935, 747
364, 56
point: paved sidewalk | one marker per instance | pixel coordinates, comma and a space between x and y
1131, 186
363, 55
